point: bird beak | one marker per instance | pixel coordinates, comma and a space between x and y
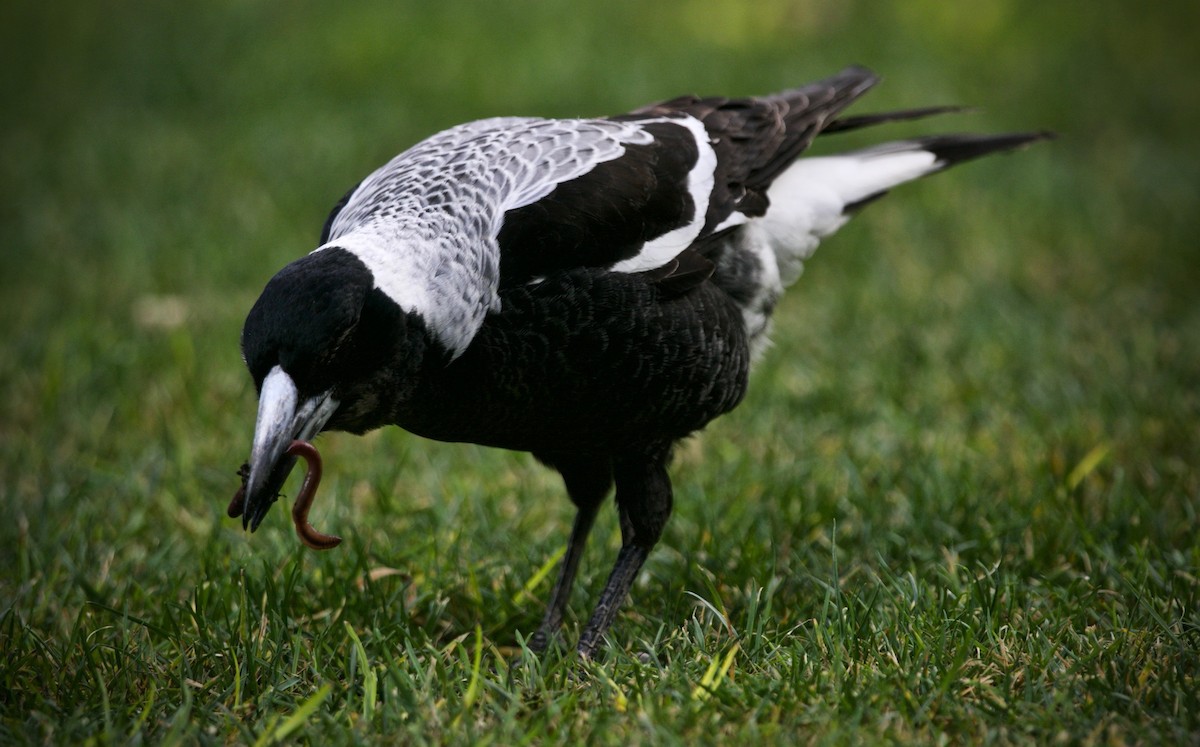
282, 418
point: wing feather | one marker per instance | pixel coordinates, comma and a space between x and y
446, 224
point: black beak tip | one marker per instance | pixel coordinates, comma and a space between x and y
253, 517
258, 502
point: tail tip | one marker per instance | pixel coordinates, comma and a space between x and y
952, 149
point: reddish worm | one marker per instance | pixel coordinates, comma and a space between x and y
308, 489
239, 498
309, 536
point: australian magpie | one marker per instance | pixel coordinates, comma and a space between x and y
587, 290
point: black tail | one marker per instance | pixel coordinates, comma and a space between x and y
845, 124
806, 112
952, 149
949, 149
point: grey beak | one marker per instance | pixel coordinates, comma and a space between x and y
282, 418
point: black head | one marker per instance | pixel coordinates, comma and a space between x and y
305, 317
326, 349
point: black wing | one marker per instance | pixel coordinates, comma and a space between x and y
615, 212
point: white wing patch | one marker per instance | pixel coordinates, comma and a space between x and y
657, 252
425, 224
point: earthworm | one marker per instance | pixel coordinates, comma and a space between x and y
309, 536
239, 498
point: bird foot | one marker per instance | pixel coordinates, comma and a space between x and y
540, 641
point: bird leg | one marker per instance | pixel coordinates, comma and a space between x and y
629, 562
644, 500
566, 578
587, 481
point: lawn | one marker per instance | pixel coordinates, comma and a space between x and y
958, 505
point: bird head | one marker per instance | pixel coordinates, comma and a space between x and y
326, 351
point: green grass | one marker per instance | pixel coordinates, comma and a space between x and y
959, 504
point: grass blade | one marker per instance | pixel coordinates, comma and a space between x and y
280, 730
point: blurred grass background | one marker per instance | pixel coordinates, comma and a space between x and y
986, 387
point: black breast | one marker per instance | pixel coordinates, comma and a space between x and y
588, 360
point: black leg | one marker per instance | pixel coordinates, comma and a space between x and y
587, 481
629, 562
644, 500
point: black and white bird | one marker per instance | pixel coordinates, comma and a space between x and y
588, 290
